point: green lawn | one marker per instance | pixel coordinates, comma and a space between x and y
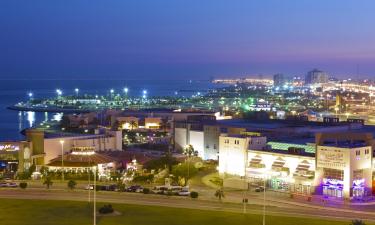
37, 212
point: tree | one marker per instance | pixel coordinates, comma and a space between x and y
189, 152
65, 121
133, 124
357, 222
219, 194
72, 184
23, 185
185, 171
48, 182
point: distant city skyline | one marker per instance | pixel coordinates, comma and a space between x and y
185, 39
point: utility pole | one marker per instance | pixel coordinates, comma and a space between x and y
95, 195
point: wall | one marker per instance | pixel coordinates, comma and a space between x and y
197, 141
180, 138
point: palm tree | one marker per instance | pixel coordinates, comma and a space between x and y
133, 124
219, 194
48, 182
357, 222
189, 151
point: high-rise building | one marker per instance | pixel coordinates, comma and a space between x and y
316, 76
279, 80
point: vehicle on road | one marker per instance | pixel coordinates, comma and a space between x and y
8, 184
184, 192
135, 188
89, 187
259, 189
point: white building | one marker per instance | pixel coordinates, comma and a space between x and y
342, 168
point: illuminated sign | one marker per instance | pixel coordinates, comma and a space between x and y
9, 147
358, 184
330, 158
333, 184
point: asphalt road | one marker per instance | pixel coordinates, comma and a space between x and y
273, 208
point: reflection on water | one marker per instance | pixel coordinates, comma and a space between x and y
31, 119
57, 117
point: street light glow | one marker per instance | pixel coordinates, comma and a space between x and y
126, 90
59, 92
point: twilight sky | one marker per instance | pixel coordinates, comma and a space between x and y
176, 39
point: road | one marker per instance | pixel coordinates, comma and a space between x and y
273, 207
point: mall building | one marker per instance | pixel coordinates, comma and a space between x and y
40, 148
337, 165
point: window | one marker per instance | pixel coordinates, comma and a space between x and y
214, 146
226, 141
207, 146
358, 152
333, 174
237, 142
367, 151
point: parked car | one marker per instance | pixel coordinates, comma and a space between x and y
12, 184
89, 187
184, 192
259, 189
135, 188
159, 189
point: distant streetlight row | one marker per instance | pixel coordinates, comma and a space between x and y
76, 90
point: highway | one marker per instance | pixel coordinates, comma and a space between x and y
277, 208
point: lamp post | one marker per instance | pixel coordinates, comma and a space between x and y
62, 160
58, 92
126, 90
94, 195
264, 199
76, 91
30, 94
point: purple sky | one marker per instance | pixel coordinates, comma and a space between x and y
175, 39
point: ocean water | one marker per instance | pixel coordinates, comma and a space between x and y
13, 91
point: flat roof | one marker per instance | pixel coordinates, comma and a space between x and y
285, 146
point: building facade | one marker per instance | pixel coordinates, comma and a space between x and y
340, 169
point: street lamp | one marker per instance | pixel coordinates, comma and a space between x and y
30, 94
94, 168
59, 92
264, 198
62, 159
126, 90
76, 90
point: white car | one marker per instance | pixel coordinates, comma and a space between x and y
184, 192
89, 187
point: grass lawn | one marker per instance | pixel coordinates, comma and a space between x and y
39, 212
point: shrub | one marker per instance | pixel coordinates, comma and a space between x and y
23, 185
146, 190
72, 184
194, 194
106, 209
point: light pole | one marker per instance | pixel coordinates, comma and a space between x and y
126, 90
94, 195
58, 92
77, 91
264, 199
62, 160
30, 95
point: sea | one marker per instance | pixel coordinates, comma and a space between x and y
17, 90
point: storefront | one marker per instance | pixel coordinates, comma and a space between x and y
9, 158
